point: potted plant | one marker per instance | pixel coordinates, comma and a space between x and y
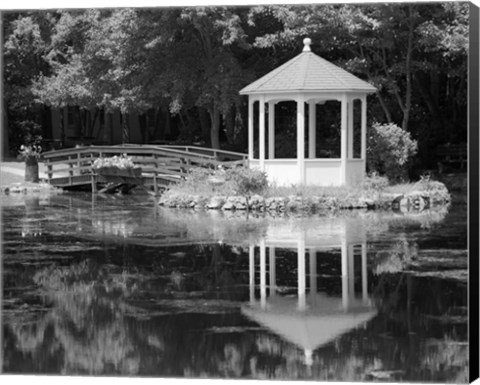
31, 153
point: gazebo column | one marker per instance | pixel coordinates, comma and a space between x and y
301, 138
363, 150
261, 138
312, 130
343, 142
250, 127
271, 130
350, 128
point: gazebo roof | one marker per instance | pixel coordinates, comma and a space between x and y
315, 328
308, 72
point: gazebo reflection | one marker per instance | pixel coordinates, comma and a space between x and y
311, 318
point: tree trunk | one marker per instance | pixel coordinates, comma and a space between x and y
142, 123
47, 121
5, 136
408, 70
112, 138
230, 125
387, 113
62, 125
93, 121
168, 124
123, 120
158, 130
215, 127
204, 124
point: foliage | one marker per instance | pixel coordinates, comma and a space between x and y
122, 162
435, 190
26, 38
191, 62
222, 182
396, 259
31, 149
389, 150
247, 181
375, 183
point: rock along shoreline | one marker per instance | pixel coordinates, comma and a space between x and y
415, 200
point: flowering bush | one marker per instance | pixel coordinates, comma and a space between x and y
390, 149
31, 151
123, 162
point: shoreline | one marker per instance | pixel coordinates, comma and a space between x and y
415, 200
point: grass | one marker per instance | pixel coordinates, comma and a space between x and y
313, 191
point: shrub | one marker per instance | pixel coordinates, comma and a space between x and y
375, 182
389, 150
234, 181
247, 181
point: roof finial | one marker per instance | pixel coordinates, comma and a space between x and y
307, 41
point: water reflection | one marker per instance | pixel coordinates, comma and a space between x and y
119, 286
312, 319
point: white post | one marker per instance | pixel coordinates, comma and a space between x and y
271, 130
350, 128
251, 265
364, 131
263, 276
301, 139
344, 275
261, 138
312, 130
302, 304
343, 141
250, 127
271, 252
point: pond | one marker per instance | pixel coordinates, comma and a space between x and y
116, 285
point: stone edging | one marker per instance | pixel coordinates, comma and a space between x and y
417, 200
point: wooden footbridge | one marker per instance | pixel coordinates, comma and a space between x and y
160, 165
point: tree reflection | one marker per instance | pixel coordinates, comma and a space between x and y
84, 320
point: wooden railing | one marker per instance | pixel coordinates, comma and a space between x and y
161, 165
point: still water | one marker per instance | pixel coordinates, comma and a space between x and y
119, 286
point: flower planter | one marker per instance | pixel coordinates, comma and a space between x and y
31, 169
119, 172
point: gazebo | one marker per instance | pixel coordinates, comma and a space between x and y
312, 80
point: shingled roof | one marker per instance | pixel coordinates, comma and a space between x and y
307, 72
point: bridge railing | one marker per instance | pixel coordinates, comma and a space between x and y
161, 164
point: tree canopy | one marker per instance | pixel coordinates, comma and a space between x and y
191, 62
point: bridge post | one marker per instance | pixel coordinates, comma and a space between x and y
70, 172
94, 183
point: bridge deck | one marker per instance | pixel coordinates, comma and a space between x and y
161, 165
